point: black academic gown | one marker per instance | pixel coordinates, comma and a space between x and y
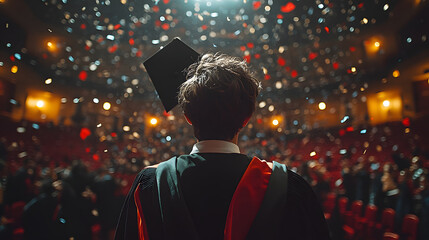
208, 182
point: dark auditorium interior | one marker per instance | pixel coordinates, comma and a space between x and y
344, 103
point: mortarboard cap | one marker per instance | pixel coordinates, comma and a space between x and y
166, 70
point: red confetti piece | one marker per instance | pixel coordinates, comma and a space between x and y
113, 134
83, 76
259, 120
360, 5
349, 71
166, 114
279, 16
130, 33
289, 7
165, 26
352, 49
281, 61
166, 1
87, 149
267, 77
342, 132
155, 8
349, 129
157, 23
264, 143
256, 5
95, 157
113, 48
335, 65
82, 26
204, 27
12, 58
117, 26
294, 74
84, 133
250, 45
247, 58
139, 53
131, 41
87, 47
312, 55
327, 29
406, 122
257, 56
243, 48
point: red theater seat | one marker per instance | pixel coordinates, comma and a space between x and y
386, 225
329, 205
342, 206
409, 227
390, 236
388, 219
354, 213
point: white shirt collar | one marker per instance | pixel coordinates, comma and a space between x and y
215, 146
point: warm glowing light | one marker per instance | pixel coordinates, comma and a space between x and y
48, 81
396, 73
106, 106
51, 46
14, 69
377, 44
153, 121
353, 69
126, 128
275, 122
386, 103
312, 154
322, 106
40, 103
2, 1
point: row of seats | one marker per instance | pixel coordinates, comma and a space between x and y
357, 226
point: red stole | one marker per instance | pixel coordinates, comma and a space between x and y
244, 205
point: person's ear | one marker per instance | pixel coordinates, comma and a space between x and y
187, 119
245, 122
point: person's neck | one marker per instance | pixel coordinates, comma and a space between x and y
233, 140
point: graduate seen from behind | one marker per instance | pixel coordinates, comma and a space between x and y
216, 192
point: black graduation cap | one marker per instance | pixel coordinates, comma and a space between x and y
166, 70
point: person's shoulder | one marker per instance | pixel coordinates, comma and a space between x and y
297, 185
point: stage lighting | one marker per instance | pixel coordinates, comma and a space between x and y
275, 122
386, 103
14, 69
106, 106
322, 106
40, 104
153, 121
396, 73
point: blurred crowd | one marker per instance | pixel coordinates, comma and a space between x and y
57, 184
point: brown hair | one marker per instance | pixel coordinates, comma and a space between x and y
218, 96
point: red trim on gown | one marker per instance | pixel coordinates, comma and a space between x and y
247, 200
141, 223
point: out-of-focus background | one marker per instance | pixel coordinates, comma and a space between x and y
345, 103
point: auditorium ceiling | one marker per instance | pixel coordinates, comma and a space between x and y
296, 47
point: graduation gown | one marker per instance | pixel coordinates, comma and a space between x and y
220, 196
